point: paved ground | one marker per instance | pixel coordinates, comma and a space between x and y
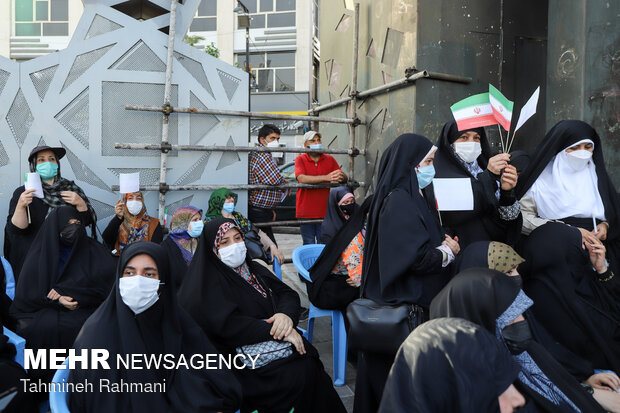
322, 336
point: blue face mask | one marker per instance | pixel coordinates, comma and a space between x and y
425, 175
47, 170
228, 207
317, 146
195, 228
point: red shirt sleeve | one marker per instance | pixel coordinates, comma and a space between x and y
333, 165
299, 166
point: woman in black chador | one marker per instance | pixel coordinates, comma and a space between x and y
407, 257
451, 365
496, 215
245, 309
27, 213
66, 275
141, 316
494, 301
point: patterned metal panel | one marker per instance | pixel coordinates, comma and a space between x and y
120, 125
83, 62
102, 209
230, 83
196, 70
148, 176
42, 79
228, 158
83, 172
74, 117
181, 202
88, 120
19, 118
101, 25
195, 172
140, 58
4, 76
199, 125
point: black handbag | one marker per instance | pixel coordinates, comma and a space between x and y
254, 246
377, 328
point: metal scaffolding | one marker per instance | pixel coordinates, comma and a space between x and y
411, 75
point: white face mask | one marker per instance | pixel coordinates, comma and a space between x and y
468, 151
134, 207
275, 144
233, 255
578, 159
138, 292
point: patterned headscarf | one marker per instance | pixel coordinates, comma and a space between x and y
530, 373
243, 270
502, 257
178, 231
135, 228
216, 203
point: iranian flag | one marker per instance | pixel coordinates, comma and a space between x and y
473, 112
502, 107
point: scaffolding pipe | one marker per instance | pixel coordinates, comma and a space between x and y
356, 34
294, 222
258, 115
241, 187
167, 107
410, 79
167, 148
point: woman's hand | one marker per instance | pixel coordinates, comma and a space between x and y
282, 326
604, 381
118, 209
597, 255
452, 243
498, 162
608, 400
276, 254
25, 198
295, 339
68, 302
601, 231
74, 199
353, 282
53, 295
509, 178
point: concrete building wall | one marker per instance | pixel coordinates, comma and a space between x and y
569, 49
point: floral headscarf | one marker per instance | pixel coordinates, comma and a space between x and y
178, 231
243, 270
135, 227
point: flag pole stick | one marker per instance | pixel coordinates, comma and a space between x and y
501, 139
512, 141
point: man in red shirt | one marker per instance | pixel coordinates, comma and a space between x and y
314, 168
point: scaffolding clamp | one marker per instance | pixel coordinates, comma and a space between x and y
166, 147
163, 188
167, 109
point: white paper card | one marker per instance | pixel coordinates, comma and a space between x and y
453, 194
33, 181
130, 183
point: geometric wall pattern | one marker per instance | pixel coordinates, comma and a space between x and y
75, 98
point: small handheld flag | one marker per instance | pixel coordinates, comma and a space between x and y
473, 112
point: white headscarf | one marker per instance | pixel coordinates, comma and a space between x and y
561, 192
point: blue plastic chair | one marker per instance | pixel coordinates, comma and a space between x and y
10, 278
19, 343
59, 400
303, 258
277, 269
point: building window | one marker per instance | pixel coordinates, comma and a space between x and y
41, 17
274, 71
205, 19
271, 13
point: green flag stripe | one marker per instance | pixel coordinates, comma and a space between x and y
480, 99
500, 98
